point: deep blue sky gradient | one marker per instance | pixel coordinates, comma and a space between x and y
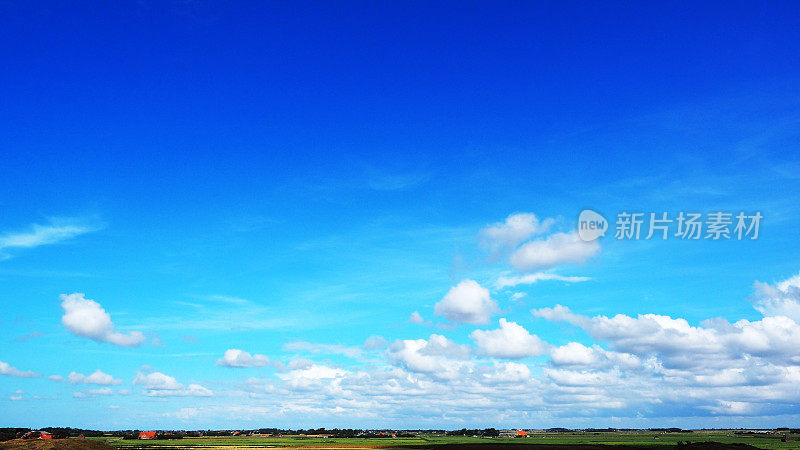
333, 163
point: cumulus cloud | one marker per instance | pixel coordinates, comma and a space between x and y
508, 372
679, 345
516, 229
531, 278
86, 318
437, 356
98, 377
510, 341
639, 369
310, 376
157, 384
577, 354
240, 358
525, 238
564, 377
782, 299
7, 370
156, 380
556, 249
467, 302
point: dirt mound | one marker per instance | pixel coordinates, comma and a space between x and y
54, 444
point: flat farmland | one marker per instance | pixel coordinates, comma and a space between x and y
535, 440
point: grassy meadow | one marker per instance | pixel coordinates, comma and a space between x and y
567, 439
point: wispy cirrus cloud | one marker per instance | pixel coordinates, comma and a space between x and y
332, 349
380, 180
57, 230
531, 278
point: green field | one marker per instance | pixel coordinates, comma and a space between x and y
617, 438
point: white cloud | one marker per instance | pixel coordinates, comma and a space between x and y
86, 318
783, 299
331, 349
416, 318
565, 377
156, 380
509, 372
311, 376
158, 384
509, 341
731, 408
531, 278
8, 370
59, 229
467, 302
577, 354
93, 392
240, 358
438, 356
516, 229
679, 345
556, 249
193, 390
573, 353
98, 377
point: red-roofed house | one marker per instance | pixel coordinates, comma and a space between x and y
37, 435
522, 433
147, 435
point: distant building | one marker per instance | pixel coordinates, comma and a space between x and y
522, 433
147, 435
37, 435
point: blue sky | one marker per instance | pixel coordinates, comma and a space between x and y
296, 181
